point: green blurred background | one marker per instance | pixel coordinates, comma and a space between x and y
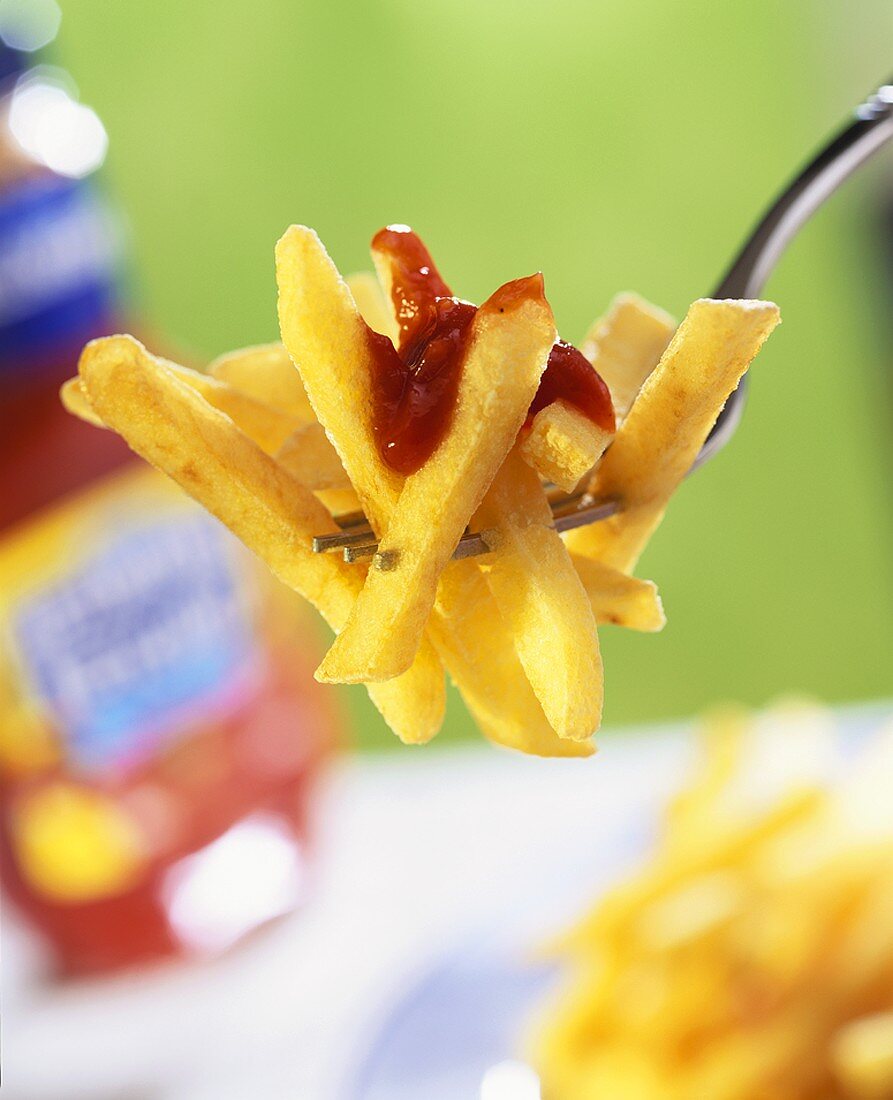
614, 145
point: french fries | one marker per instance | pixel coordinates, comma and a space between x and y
465, 624
751, 956
340, 502
618, 599
563, 445
395, 399
305, 451
668, 423
479, 652
326, 338
372, 304
626, 345
74, 398
172, 427
542, 600
266, 373
308, 455
507, 355
266, 425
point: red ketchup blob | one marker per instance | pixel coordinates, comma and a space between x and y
570, 377
416, 383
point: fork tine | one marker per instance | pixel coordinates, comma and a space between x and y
586, 512
470, 545
351, 519
362, 552
323, 543
569, 511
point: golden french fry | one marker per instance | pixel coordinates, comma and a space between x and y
626, 346
511, 337
266, 373
371, 302
479, 653
175, 429
542, 600
268, 427
328, 341
619, 599
308, 455
172, 427
413, 704
74, 398
563, 445
668, 423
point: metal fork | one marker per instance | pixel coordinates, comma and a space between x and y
865, 134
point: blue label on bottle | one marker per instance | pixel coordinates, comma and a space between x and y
59, 252
146, 636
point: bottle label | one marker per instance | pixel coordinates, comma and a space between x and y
59, 254
141, 634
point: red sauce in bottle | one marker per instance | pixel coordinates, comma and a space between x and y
416, 383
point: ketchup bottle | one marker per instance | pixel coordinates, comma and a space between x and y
159, 724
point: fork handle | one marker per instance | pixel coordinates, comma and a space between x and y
871, 127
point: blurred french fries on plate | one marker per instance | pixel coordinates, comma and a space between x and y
751, 955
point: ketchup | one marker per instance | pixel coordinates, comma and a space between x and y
416, 383
415, 386
570, 377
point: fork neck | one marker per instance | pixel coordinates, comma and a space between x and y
871, 127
